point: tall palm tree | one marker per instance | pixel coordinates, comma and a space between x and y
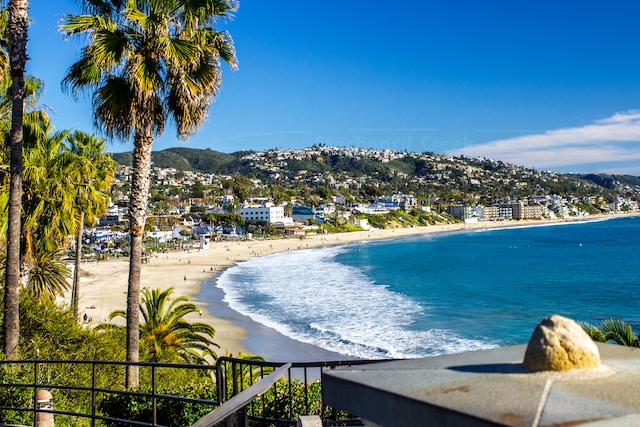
46, 205
52, 198
90, 171
147, 61
45, 223
166, 334
17, 49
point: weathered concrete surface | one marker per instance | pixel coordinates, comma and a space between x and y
487, 388
560, 344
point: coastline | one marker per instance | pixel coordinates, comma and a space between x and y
193, 274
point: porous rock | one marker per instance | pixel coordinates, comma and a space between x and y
560, 344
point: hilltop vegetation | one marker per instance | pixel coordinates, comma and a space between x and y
180, 158
427, 175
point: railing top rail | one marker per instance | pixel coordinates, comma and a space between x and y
241, 399
106, 362
318, 364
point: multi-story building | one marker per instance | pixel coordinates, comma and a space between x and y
264, 211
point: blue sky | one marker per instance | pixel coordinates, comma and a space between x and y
550, 85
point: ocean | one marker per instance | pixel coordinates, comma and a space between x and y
443, 293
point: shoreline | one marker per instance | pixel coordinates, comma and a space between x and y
193, 274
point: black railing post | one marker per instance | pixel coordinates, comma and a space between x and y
35, 393
93, 394
221, 379
234, 373
306, 391
290, 393
153, 392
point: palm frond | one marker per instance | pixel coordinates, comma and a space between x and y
593, 332
618, 331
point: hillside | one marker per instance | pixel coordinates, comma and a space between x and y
611, 182
181, 158
385, 166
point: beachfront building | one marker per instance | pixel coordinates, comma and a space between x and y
372, 209
461, 211
264, 211
403, 201
360, 222
521, 210
517, 211
533, 212
497, 213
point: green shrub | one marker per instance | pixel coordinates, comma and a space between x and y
169, 412
277, 404
16, 397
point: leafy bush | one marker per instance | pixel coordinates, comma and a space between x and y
169, 412
286, 400
15, 397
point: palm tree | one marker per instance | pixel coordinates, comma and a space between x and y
17, 49
46, 205
148, 61
48, 274
166, 334
90, 170
612, 329
52, 197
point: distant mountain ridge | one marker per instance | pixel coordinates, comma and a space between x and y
193, 159
611, 182
216, 162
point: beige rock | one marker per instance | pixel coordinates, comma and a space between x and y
560, 344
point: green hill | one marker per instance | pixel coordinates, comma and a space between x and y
181, 158
454, 172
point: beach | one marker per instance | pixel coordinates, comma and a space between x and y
192, 274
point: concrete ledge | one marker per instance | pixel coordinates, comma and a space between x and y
487, 388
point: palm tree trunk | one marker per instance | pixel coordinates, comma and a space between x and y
75, 296
137, 218
17, 61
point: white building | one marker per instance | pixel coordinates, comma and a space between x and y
264, 212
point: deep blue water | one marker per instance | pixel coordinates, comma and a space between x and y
443, 293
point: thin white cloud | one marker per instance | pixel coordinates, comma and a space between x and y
610, 140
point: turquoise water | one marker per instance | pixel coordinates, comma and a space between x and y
443, 293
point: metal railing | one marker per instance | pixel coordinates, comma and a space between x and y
300, 393
86, 384
80, 389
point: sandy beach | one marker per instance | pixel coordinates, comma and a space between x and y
104, 285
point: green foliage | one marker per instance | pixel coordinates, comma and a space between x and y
422, 217
197, 209
593, 332
197, 190
169, 412
259, 228
165, 334
286, 399
225, 219
48, 274
187, 159
16, 397
278, 403
333, 226
48, 331
612, 330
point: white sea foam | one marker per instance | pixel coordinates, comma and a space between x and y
309, 296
